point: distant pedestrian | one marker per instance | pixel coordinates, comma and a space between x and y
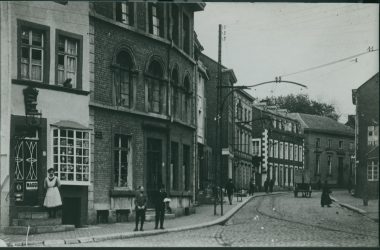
349, 185
52, 198
160, 197
266, 184
325, 198
251, 187
230, 188
140, 207
271, 184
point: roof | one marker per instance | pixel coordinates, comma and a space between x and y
283, 115
321, 124
245, 93
232, 74
70, 124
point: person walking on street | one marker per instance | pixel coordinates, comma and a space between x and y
271, 184
325, 198
266, 184
140, 207
251, 187
52, 198
160, 207
230, 188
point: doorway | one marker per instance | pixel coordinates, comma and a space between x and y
26, 168
154, 168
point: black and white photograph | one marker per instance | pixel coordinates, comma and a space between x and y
189, 124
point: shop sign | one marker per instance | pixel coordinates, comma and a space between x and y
31, 185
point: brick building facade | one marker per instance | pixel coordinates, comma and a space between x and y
366, 99
228, 78
142, 108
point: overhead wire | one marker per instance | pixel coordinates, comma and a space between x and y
330, 63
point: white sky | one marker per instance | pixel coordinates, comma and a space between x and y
264, 40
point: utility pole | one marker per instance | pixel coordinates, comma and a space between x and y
219, 117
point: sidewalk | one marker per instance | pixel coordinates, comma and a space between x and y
356, 204
203, 217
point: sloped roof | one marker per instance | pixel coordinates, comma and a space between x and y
321, 124
69, 124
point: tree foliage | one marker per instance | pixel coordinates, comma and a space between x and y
301, 103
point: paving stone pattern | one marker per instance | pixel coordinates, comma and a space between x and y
274, 221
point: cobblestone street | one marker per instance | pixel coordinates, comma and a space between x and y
279, 220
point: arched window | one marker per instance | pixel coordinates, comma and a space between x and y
123, 79
175, 93
186, 100
156, 88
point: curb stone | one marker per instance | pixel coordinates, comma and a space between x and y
218, 221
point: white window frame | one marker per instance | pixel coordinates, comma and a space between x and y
57, 165
373, 140
155, 21
329, 164
129, 161
318, 162
270, 147
66, 56
300, 154
291, 151
275, 147
286, 149
30, 48
281, 150
371, 170
295, 152
255, 146
341, 144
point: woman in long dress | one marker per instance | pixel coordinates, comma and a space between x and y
53, 198
325, 198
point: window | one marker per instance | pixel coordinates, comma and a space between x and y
329, 143
122, 154
270, 148
351, 146
295, 152
186, 33
317, 164
291, 151
67, 61
174, 166
281, 150
123, 80
317, 142
329, 164
275, 149
340, 144
256, 147
125, 13
156, 24
187, 100
156, 88
286, 151
373, 135
373, 170
33, 44
175, 94
300, 154
175, 29
71, 155
239, 110
186, 166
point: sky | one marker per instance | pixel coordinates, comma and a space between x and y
265, 40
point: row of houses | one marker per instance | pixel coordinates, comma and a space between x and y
116, 95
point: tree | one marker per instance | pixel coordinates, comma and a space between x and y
301, 103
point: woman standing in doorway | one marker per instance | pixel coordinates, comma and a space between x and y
53, 197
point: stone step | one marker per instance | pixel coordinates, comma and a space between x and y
152, 216
37, 222
33, 215
38, 229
